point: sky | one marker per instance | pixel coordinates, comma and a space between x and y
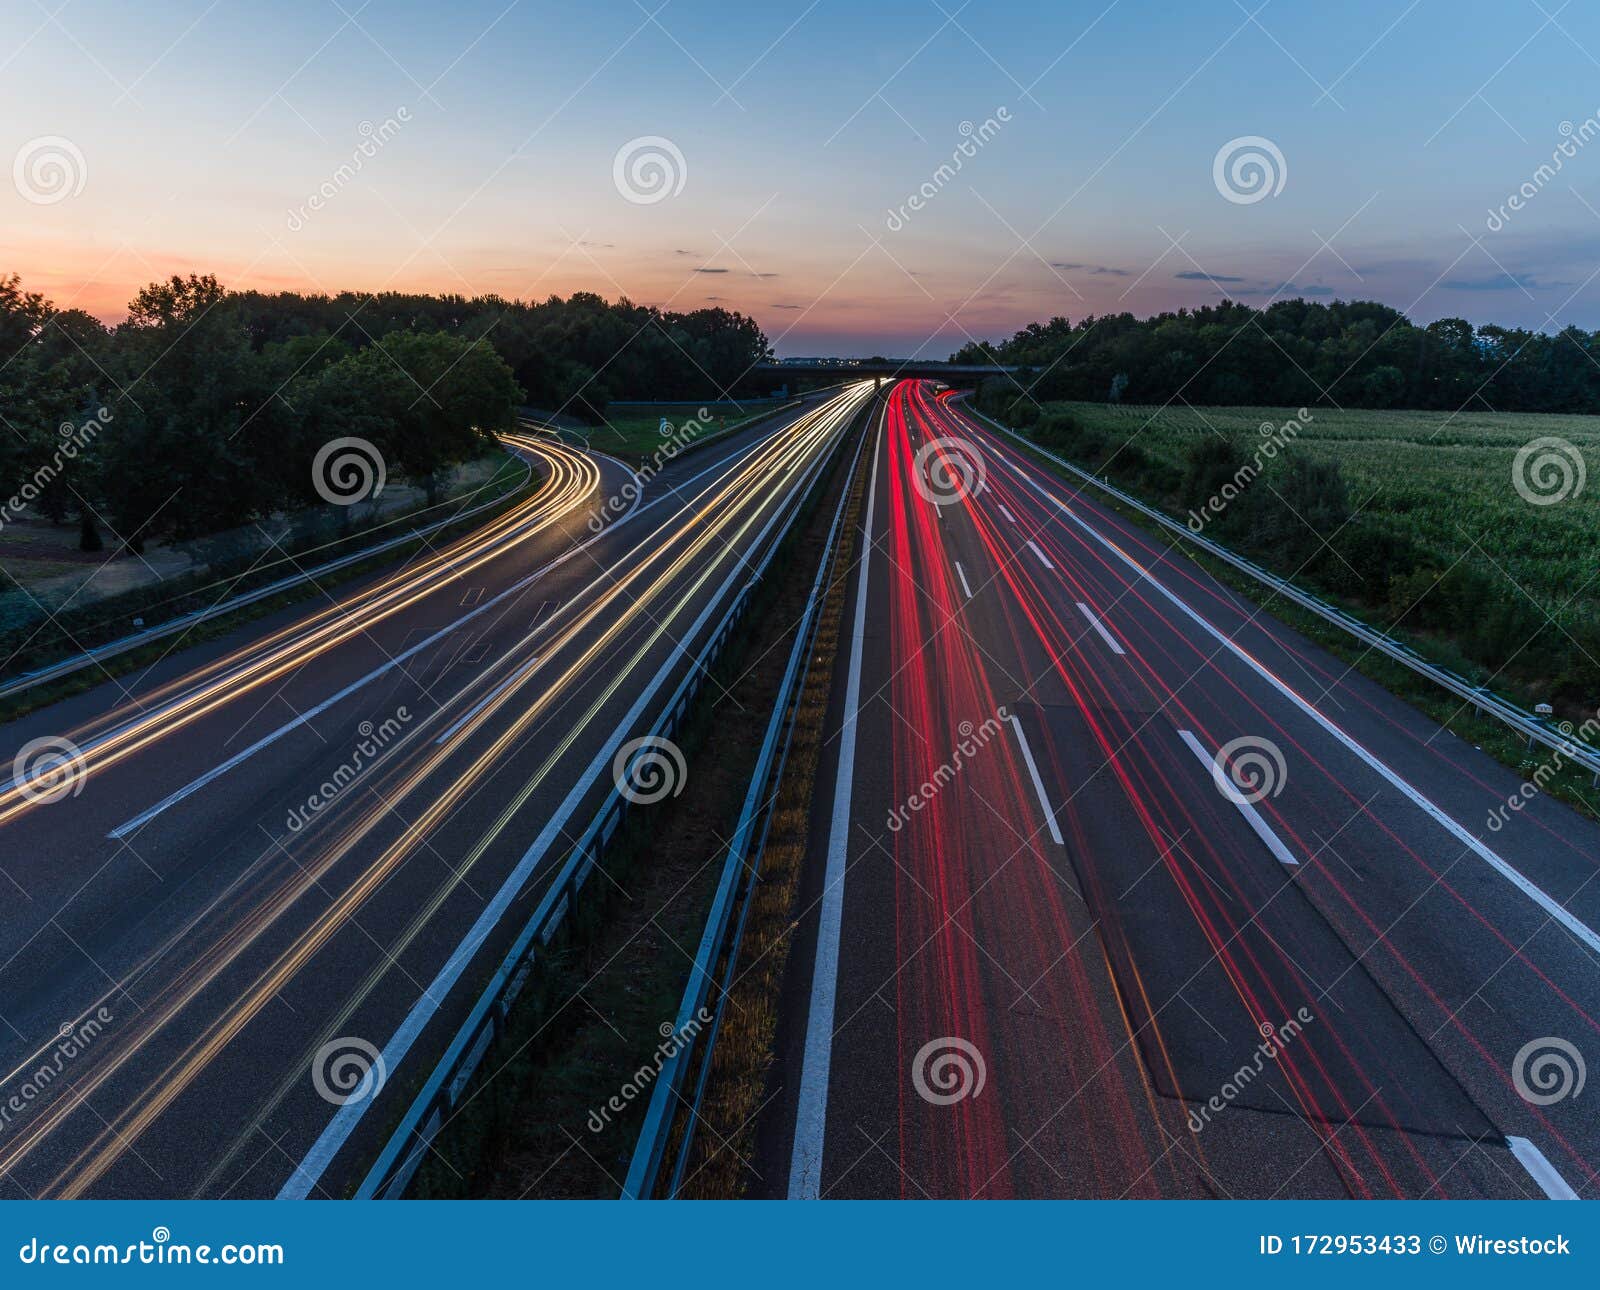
870, 177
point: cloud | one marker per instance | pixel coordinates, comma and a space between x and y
1501, 282
1195, 275
704, 270
767, 275
788, 306
1099, 270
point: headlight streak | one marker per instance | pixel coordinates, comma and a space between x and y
573, 477
737, 492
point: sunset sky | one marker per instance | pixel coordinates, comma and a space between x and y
200, 131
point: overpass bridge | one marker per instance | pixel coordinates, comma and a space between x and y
846, 368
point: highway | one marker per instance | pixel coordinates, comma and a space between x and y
1121, 888
291, 855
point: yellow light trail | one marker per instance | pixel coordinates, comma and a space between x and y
736, 493
573, 477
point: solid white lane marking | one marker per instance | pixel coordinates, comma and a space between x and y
333, 1137
1100, 627
1038, 783
1533, 892
1043, 558
961, 573
216, 772
1540, 1169
483, 703
811, 1117
266, 741
1005, 512
1246, 809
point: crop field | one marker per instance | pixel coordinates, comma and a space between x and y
1446, 480
1475, 537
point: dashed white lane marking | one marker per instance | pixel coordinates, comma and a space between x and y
1554, 908
515, 589
1012, 518
1038, 783
1246, 809
961, 573
308, 1172
482, 703
1541, 1170
1043, 558
1107, 637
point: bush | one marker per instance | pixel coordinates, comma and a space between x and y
1208, 465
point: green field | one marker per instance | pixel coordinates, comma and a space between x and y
1446, 479
1432, 538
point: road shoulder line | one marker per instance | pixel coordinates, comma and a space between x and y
811, 1115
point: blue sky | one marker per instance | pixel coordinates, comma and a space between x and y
197, 130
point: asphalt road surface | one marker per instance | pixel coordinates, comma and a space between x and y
1122, 888
267, 859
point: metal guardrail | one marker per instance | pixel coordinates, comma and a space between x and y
85, 658
1526, 723
403, 1153
720, 940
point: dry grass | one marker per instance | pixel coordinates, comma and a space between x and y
745, 1048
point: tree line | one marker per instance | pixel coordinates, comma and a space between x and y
206, 408
1299, 353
